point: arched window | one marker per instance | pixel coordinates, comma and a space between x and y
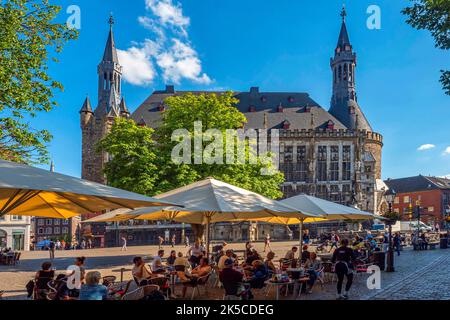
345, 71
105, 82
335, 75
340, 73
350, 73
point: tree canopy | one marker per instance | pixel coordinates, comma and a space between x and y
141, 160
29, 36
434, 16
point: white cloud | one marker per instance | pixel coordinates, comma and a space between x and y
137, 68
426, 147
169, 14
181, 61
176, 58
446, 177
447, 151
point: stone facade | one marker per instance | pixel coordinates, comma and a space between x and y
332, 154
15, 232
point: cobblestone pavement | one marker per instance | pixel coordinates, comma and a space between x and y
418, 275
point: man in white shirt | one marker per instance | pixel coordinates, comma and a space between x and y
157, 262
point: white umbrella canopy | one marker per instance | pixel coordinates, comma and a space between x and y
26, 190
327, 209
211, 200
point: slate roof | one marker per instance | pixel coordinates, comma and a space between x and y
265, 105
418, 183
86, 106
110, 54
343, 37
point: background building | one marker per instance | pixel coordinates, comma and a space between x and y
334, 154
432, 194
15, 232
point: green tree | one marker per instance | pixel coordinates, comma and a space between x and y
434, 16
132, 150
28, 36
141, 159
215, 112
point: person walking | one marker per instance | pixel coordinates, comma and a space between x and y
124, 243
51, 248
161, 241
186, 242
397, 242
174, 239
334, 241
343, 257
267, 243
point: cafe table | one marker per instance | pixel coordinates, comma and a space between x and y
278, 285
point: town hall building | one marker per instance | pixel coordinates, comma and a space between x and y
334, 154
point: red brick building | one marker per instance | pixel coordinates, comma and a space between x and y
432, 194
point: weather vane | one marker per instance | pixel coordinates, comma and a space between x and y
111, 19
343, 12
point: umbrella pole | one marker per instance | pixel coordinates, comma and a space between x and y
300, 249
208, 219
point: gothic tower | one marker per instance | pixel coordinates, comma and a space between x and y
344, 101
96, 124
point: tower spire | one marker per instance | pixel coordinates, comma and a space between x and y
110, 54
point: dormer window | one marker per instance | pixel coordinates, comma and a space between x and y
351, 110
252, 109
330, 125
161, 107
286, 125
307, 109
280, 108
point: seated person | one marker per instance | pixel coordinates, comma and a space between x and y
140, 272
305, 254
171, 259
312, 266
200, 271
269, 263
217, 257
92, 290
259, 275
42, 278
62, 291
228, 255
181, 262
230, 278
290, 255
196, 252
250, 258
157, 266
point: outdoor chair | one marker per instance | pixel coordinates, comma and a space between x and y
107, 280
201, 282
137, 294
285, 264
148, 289
161, 282
122, 287
216, 273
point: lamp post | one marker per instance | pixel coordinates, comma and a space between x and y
390, 258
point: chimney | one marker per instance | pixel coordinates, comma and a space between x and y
254, 90
170, 89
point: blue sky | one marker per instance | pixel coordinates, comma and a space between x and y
281, 45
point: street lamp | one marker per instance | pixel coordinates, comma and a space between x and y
390, 196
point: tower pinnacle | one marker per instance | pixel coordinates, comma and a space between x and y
343, 13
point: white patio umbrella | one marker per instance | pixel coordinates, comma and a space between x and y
26, 190
210, 200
